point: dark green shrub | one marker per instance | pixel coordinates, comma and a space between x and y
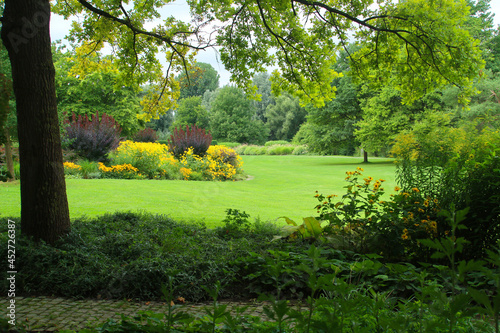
93, 139
146, 135
194, 137
4, 174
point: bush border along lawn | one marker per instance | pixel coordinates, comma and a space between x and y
278, 186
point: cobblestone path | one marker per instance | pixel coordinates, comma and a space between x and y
51, 314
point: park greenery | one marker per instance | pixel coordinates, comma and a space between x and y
412, 246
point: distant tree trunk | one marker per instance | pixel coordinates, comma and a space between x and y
44, 205
365, 156
8, 155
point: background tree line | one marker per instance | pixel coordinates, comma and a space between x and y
359, 116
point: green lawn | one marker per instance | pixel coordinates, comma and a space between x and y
280, 186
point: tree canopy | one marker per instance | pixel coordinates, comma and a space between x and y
97, 90
191, 112
414, 46
232, 118
200, 78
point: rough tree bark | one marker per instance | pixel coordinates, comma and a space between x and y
44, 205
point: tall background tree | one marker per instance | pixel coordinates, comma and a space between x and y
284, 117
191, 112
329, 130
232, 118
265, 97
198, 79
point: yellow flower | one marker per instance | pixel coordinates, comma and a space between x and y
397, 188
186, 172
415, 189
405, 236
71, 165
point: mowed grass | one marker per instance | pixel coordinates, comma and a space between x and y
278, 186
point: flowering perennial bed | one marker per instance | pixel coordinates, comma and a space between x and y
146, 160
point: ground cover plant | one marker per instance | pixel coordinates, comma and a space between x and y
294, 181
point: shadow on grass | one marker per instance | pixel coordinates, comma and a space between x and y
355, 162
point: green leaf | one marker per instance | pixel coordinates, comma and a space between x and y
289, 221
313, 226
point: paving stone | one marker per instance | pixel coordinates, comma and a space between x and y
50, 314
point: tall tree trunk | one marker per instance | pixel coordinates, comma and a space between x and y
365, 156
44, 205
8, 155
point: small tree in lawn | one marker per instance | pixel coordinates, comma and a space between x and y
197, 138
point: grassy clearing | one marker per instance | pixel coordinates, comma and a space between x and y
279, 186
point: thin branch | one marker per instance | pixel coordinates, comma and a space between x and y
124, 11
137, 30
279, 39
350, 17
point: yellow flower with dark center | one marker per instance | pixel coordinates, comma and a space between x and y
405, 236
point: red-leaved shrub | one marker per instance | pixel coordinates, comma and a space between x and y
181, 140
93, 139
146, 135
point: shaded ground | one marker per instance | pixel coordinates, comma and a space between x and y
51, 314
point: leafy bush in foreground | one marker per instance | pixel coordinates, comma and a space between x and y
461, 167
